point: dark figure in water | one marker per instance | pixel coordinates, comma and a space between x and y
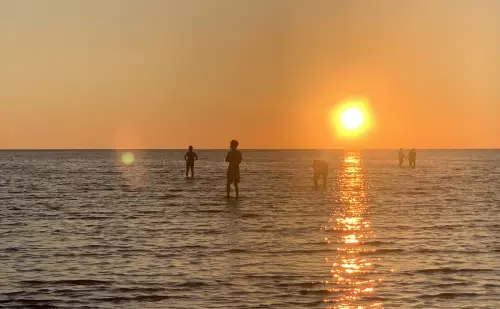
412, 158
320, 170
190, 157
402, 156
234, 158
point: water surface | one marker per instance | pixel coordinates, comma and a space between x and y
80, 229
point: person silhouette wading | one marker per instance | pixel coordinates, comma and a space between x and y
401, 156
234, 159
320, 171
412, 158
190, 157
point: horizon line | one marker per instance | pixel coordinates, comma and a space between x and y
215, 149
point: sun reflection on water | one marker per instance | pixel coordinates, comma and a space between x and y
355, 277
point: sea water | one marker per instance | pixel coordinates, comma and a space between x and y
88, 229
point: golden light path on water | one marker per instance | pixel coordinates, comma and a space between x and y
354, 274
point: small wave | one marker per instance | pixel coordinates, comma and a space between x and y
442, 227
209, 211
447, 285
449, 295
449, 251
381, 251
238, 251
249, 216
12, 294
152, 212
305, 251
451, 270
301, 284
142, 298
298, 251
139, 290
313, 292
37, 306
83, 282
30, 303
210, 204
94, 246
192, 284
491, 285
419, 192
168, 196
38, 197
305, 304
151, 298
275, 277
96, 218
188, 247
429, 251
376, 243
211, 232
175, 190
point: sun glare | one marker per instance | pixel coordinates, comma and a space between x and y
352, 118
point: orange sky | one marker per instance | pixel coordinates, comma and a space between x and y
169, 73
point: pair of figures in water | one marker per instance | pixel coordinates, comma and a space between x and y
412, 157
233, 157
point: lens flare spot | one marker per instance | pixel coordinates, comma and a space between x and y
128, 158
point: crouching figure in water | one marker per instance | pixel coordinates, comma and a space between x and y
320, 170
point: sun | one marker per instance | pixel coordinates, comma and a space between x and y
352, 118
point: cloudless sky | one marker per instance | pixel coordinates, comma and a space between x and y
170, 73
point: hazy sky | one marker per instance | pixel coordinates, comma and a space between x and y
166, 74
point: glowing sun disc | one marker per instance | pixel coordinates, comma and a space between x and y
352, 118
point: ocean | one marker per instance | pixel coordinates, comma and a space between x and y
82, 229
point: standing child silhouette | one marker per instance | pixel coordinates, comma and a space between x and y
234, 158
190, 157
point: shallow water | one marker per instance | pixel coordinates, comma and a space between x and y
83, 230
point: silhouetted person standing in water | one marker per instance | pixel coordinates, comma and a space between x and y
402, 156
234, 158
320, 170
412, 158
190, 157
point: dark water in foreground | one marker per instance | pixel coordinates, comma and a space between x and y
83, 230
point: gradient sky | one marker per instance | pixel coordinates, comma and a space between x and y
168, 73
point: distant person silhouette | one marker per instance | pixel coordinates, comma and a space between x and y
190, 157
234, 158
412, 158
320, 170
402, 156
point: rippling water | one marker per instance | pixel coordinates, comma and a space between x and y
83, 230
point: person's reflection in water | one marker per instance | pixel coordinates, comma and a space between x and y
320, 171
354, 275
